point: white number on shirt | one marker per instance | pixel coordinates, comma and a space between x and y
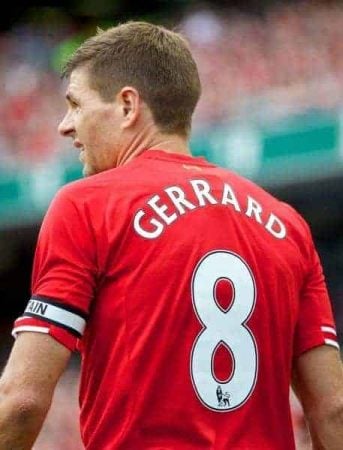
227, 327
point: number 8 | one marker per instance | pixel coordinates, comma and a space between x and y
228, 327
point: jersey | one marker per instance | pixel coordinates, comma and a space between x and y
188, 290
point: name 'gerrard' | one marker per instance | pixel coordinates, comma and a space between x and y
150, 221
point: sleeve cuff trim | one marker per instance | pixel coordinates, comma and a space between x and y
330, 330
36, 329
332, 343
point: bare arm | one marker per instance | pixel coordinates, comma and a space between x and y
318, 382
27, 386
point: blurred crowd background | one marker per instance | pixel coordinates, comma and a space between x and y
272, 108
288, 60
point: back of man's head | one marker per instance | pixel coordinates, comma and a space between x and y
151, 58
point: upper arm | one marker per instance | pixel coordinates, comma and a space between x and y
64, 273
318, 380
34, 367
315, 323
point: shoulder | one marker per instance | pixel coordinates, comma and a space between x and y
93, 188
85, 186
297, 223
294, 221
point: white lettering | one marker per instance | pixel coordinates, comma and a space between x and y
202, 191
177, 196
230, 197
254, 209
147, 234
151, 222
160, 210
276, 227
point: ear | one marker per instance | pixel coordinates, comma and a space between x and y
130, 104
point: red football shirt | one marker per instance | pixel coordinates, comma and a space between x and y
188, 290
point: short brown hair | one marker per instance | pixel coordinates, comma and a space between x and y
151, 58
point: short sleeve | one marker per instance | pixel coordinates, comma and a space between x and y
64, 273
315, 324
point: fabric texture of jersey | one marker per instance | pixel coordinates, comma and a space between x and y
189, 291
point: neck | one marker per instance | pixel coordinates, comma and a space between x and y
150, 139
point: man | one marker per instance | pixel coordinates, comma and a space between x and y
177, 280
